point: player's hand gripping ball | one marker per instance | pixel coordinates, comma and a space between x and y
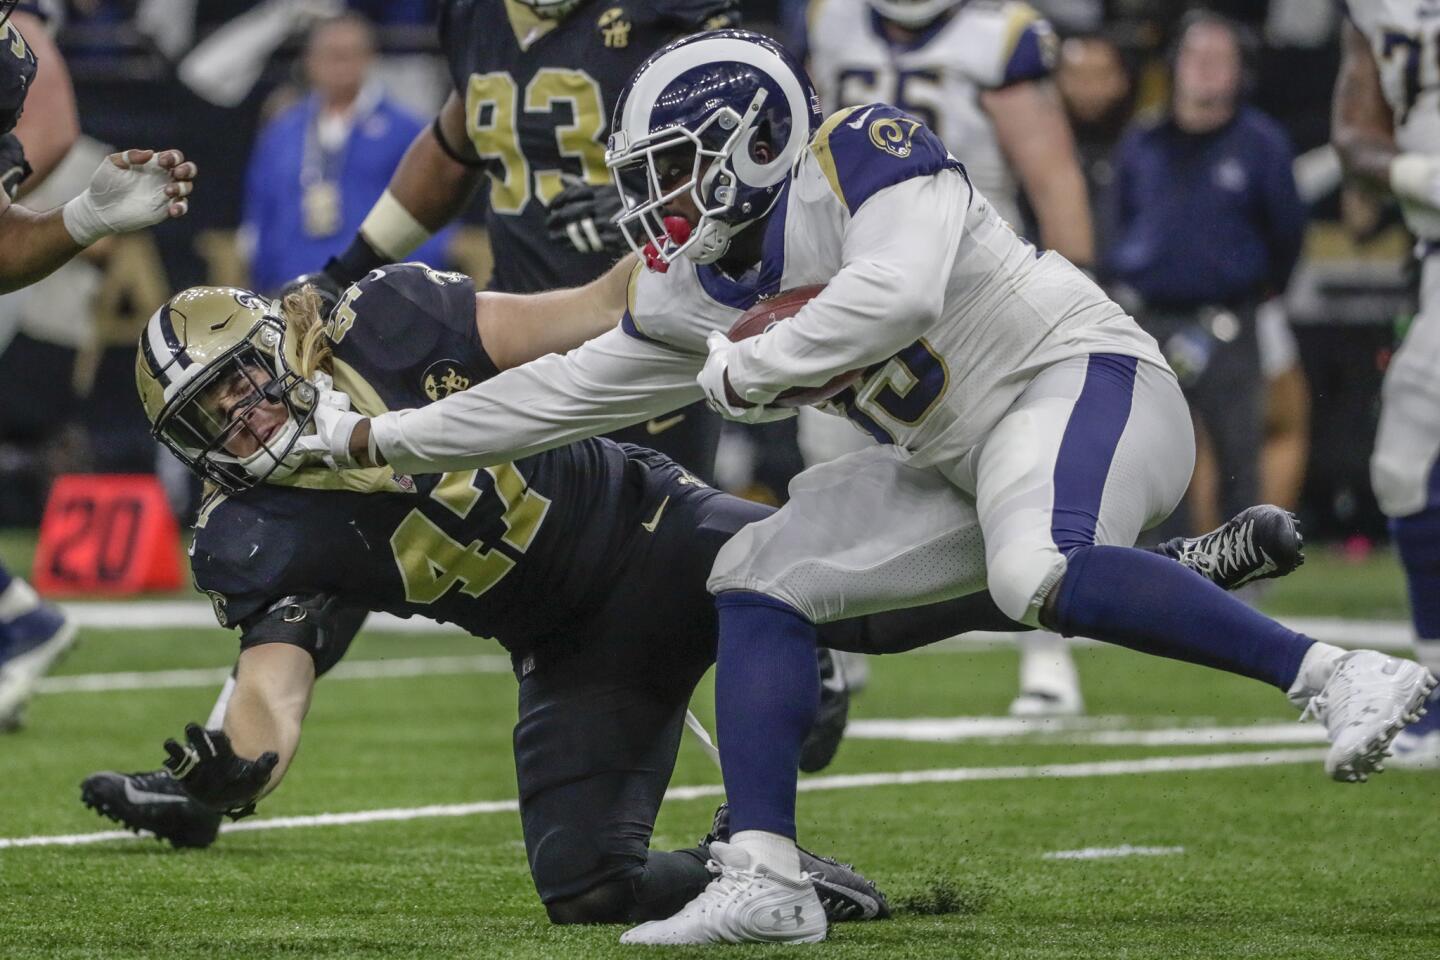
778, 309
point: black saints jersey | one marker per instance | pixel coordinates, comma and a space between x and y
538, 101
511, 551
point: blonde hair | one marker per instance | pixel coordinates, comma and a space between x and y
301, 311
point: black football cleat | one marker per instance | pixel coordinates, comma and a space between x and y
154, 802
1258, 543
830, 719
844, 892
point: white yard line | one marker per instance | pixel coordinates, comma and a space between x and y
214, 676
1105, 768
1110, 853
157, 614
1105, 731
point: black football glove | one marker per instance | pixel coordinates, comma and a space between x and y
14, 168
208, 769
326, 285
581, 215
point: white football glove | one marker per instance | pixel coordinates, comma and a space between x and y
334, 422
712, 381
1415, 177
130, 190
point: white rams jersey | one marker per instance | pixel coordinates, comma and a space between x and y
947, 311
938, 79
1404, 36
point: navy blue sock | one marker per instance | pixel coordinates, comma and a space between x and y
1146, 602
767, 689
1417, 537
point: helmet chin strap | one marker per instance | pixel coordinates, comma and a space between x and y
264, 465
713, 240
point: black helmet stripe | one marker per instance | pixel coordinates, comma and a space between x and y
156, 371
167, 330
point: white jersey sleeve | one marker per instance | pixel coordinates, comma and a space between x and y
1005, 43
889, 290
606, 383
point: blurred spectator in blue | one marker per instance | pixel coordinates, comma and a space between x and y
1207, 224
320, 165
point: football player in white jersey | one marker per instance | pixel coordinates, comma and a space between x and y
1387, 130
1030, 430
976, 72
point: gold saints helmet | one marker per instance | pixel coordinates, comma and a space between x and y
218, 388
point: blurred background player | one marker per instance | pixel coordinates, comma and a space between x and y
51, 124
130, 190
978, 74
1387, 129
319, 166
534, 84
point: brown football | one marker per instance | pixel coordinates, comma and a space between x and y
777, 309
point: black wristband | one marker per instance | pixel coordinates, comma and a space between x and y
357, 260
450, 151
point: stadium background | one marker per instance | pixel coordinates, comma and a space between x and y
68, 406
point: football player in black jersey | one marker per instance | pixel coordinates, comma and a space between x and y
132, 189
534, 86
588, 563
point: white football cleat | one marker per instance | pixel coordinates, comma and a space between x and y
1364, 704
1049, 683
31, 641
744, 904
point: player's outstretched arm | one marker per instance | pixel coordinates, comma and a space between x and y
889, 290
516, 329
1035, 136
606, 383
228, 770
129, 191
432, 184
273, 683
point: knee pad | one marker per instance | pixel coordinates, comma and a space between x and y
1021, 576
608, 902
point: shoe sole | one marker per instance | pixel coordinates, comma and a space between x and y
19, 676
808, 938
1298, 533
1370, 756
845, 904
93, 796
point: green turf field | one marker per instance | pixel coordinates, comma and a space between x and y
1273, 860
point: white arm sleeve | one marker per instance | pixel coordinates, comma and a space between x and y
898, 253
604, 384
